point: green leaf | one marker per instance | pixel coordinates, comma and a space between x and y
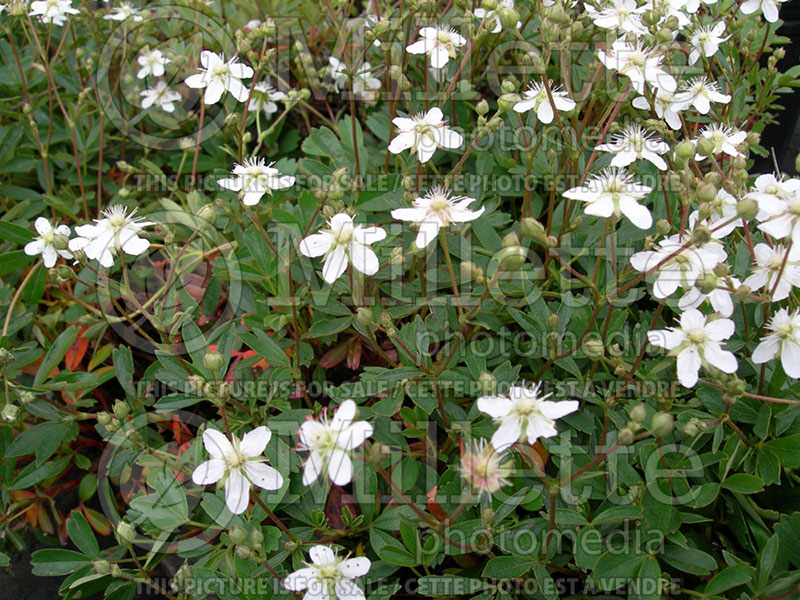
15, 234
123, 368
728, 578
647, 583
81, 534
13, 261
617, 567
743, 483
766, 560
328, 327
56, 353
43, 439
690, 560
787, 449
507, 567
57, 562
265, 347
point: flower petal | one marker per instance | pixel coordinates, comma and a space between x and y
216, 444
262, 475
210, 471
321, 555
340, 468
495, 406
237, 493
355, 567
507, 434
300, 579
254, 442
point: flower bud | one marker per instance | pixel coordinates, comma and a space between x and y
508, 16
701, 235
104, 419
743, 292
512, 258
707, 283
482, 107
101, 567
747, 209
487, 384
470, 271
625, 437
594, 349
10, 412
510, 239
638, 413
553, 321
237, 535
706, 192
396, 258
207, 213
213, 360
121, 409
690, 428
243, 552
531, 228
507, 101
663, 226
705, 147
489, 4
488, 517
663, 424
126, 532
364, 316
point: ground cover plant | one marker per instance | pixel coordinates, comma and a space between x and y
423, 298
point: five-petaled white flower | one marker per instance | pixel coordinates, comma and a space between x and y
779, 212
667, 105
784, 341
535, 97
699, 92
329, 444
705, 41
636, 143
116, 232
524, 413
255, 178
364, 84
152, 63
218, 76
772, 193
696, 342
613, 192
768, 7
439, 43
624, 16
122, 12
239, 464
265, 98
162, 95
344, 241
722, 219
328, 575
52, 11
720, 298
725, 139
424, 134
772, 263
51, 242
678, 266
437, 209
484, 468
639, 64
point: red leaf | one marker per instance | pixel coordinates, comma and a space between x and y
434, 507
72, 359
354, 354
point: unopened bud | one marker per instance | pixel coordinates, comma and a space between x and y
213, 361
594, 349
747, 209
663, 424
625, 437
487, 384
126, 532
638, 413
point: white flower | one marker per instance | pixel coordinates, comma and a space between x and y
424, 134
621, 15
683, 269
254, 179
784, 341
639, 64
344, 241
493, 23
696, 343
484, 467
152, 63
535, 97
122, 12
116, 232
700, 93
439, 43
239, 464
52, 11
705, 41
779, 208
328, 575
770, 262
218, 76
667, 106
161, 95
725, 140
435, 210
364, 85
721, 298
329, 444
636, 143
768, 7
51, 242
772, 193
265, 98
723, 218
613, 192
523, 413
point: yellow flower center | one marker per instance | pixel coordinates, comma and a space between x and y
329, 571
439, 203
696, 335
219, 71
